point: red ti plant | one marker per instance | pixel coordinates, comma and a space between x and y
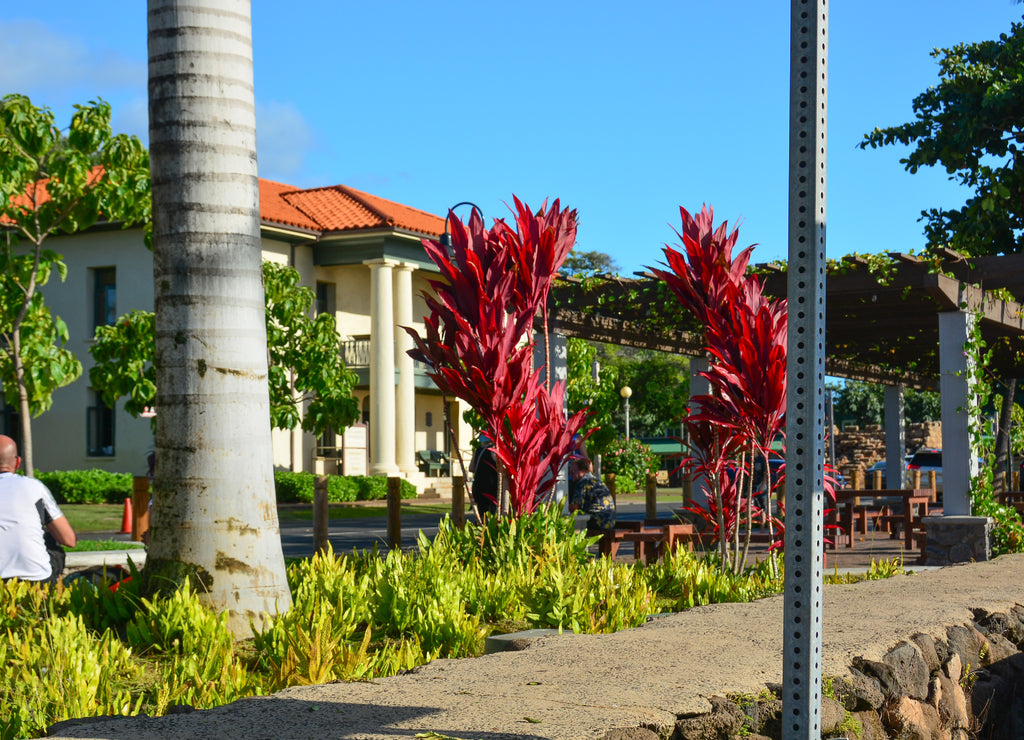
745, 339
712, 452
478, 346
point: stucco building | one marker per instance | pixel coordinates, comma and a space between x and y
363, 257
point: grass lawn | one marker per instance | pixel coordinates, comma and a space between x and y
305, 513
107, 517
94, 517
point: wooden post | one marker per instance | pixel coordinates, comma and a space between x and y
458, 501
652, 496
876, 483
916, 479
858, 479
395, 513
321, 517
140, 507
933, 482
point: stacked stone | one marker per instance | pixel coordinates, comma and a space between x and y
970, 684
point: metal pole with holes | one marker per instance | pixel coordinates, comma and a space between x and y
805, 427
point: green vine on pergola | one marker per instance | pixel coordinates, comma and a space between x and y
867, 343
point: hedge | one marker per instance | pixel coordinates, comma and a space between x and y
100, 486
87, 486
298, 487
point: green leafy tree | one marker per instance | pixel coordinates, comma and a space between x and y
972, 124
580, 263
661, 388
306, 369
600, 396
864, 403
53, 183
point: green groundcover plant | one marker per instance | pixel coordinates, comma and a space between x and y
83, 650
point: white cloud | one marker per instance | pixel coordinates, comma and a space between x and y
283, 139
37, 61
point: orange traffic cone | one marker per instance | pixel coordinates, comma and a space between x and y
126, 518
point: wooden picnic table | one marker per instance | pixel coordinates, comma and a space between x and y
851, 509
651, 539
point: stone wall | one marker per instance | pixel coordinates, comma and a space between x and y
964, 686
858, 448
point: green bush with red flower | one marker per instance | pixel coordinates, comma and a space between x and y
630, 460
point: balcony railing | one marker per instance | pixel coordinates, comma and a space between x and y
356, 354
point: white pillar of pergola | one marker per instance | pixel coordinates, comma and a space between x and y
959, 462
895, 437
699, 386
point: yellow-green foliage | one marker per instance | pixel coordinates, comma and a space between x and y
55, 670
84, 650
683, 581
178, 623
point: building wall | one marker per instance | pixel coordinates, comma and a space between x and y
60, 434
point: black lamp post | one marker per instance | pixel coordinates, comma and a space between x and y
446, 238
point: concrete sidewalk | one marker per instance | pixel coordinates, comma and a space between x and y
80, 560
571, 687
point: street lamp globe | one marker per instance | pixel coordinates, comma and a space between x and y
626, 392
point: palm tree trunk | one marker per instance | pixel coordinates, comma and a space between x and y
214, 507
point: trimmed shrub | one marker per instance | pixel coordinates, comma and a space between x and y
87, 486
298, 487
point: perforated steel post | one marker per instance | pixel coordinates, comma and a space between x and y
805, 410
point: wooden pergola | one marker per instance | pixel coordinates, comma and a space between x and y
881, 319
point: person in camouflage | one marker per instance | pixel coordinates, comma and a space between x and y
589, 495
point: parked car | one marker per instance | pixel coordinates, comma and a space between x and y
927, 459
881, 467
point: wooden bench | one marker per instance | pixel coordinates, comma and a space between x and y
609, 543
1014, 499
432, 462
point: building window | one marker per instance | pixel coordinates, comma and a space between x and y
430, 419
325, 302
10, 422
104, 296
99, 424
327, 445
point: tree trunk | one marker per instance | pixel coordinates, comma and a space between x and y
214, 506
25, 417
999, 481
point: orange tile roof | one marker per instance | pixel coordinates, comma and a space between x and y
341, 208
37, 194
273, 206
335, 208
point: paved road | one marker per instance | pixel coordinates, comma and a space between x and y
365, 532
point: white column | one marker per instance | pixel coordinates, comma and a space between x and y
405, 401
959, 462
699, 386
895, 437
382, 368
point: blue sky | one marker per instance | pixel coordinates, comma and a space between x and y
625, 111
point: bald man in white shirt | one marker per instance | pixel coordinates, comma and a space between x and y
27, 511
